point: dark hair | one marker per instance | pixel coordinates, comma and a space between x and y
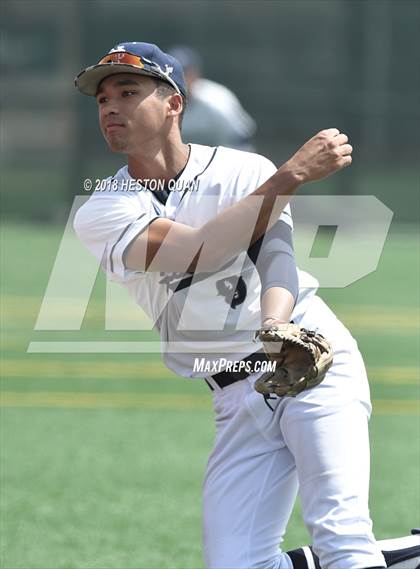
164, 89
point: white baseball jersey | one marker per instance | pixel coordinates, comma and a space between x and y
197, 314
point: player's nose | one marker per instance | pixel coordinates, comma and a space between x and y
111, 109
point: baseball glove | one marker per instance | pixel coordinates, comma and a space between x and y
302, 359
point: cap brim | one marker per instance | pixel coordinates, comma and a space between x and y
89, 79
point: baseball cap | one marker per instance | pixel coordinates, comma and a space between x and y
133, 57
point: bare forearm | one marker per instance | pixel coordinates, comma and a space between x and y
276, 305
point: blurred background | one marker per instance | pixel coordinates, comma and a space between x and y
296, 66
103, 454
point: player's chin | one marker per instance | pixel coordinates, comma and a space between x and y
116, 144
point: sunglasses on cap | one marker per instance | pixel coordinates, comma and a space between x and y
125, 58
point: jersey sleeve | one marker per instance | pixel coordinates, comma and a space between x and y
107, 225
253, 172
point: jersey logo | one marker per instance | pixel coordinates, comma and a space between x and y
175, 281
233, 296
178, 281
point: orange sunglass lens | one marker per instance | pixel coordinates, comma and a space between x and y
122, 57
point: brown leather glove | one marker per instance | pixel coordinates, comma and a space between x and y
302, 359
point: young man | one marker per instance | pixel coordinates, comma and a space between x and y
186, 257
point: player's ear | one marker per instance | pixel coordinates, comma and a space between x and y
175, 103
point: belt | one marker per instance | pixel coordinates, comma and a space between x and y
225, 378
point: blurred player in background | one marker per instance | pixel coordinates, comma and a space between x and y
214, 116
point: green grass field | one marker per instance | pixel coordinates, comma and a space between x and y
103, 454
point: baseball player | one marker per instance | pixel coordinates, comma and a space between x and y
177, 226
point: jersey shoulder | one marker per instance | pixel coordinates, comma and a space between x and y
245, 156
246, 164
244, 172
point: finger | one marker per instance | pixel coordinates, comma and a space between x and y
345, 149
345, 161
330, 132
341, 138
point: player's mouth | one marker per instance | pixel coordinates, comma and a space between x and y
110, 127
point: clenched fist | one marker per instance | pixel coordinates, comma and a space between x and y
325, 153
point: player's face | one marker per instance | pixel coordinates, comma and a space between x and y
131, 115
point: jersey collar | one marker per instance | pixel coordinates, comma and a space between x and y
198, 159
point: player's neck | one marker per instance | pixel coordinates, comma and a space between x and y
161, 162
